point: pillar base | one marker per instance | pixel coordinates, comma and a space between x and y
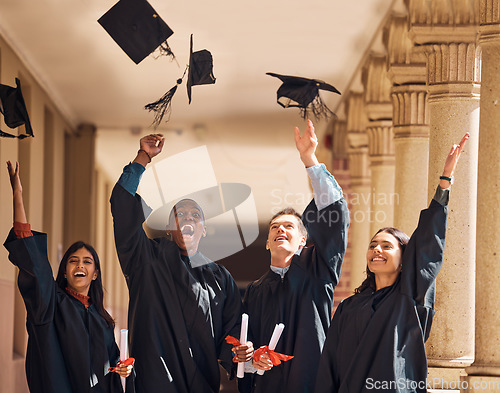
480, 384
445, 378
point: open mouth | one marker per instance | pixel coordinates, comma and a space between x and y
280, 238
79, 274
187, 230
377, 259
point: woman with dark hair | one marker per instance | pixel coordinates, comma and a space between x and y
377, 336
71, 343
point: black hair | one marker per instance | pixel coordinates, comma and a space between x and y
96, 293
402, 239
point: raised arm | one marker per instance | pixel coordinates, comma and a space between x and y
327, 217
29, 254
127, 208
423, 256
451, 163
19, 214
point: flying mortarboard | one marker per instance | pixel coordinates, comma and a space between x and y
14, 110
303, 93
200, 72
137, 28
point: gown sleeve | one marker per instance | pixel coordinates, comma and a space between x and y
133, 247
327, 225
423, 256
36, 281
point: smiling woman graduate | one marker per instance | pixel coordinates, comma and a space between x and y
377, 336
71, 342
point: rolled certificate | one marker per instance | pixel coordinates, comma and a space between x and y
243, 340
123, 350
278, 329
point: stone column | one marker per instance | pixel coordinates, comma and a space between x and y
380, 141
79, 206
359, 198
340, 160
407, 72
485, 371
381, 153
449, 33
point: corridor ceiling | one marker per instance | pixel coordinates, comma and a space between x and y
92, 80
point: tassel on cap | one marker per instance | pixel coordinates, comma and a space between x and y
163, 105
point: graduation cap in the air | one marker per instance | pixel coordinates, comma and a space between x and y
303, 93
137, 28
14, 110
200, 72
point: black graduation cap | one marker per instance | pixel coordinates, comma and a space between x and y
14, 110
200, 72
303, 93
137, 28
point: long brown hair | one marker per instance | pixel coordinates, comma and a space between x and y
402, 239
96, 293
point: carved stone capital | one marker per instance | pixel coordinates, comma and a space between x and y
443, 21
357, 140
453, 63
339, 139
355, 112
358, 157
409, 103
377, 87
381, 139
489, 12
407, 63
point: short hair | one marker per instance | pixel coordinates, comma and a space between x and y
292, 212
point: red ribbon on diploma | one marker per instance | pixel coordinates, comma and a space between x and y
235, 342
126, 362
275, 357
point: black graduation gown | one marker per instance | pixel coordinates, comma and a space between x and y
69, 346
302, 301
376, 341
179, 315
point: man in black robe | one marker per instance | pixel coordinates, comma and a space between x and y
298, 289
182, 305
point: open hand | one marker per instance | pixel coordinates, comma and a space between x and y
453, 156
15, 181
306, 145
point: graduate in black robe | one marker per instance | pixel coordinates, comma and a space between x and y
71, 340
376, 340
182, 305
298, 288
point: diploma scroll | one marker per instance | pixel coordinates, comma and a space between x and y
243, 340
278, 329
123, 350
